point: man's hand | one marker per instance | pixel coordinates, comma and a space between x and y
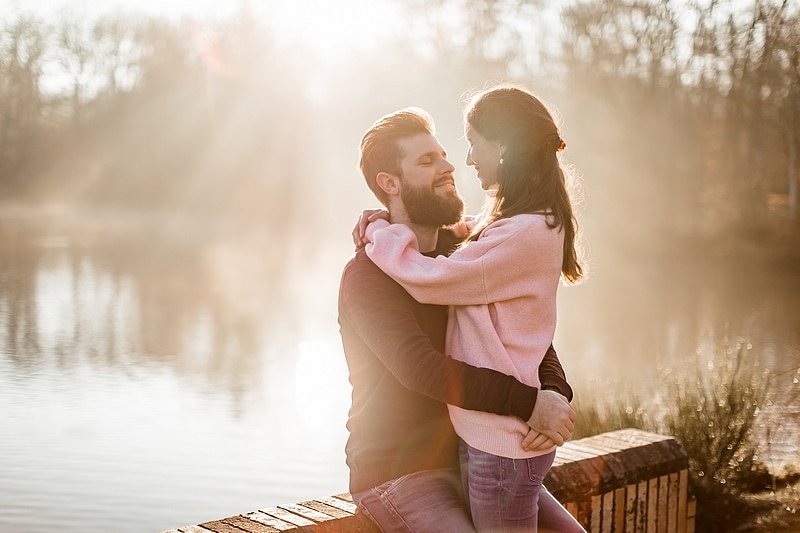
463, 227
553, 416
360, 230
534, 442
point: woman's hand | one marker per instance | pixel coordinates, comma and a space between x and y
535, 441
360, 230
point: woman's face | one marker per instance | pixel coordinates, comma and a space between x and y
484, 156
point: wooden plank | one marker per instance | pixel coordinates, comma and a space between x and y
245, 524
597, 516
691, 514
325, 508
631, 492
571, 482
641, 507
574, 451
585, 511
619, 510
672, 512
652, 505
307, 512
286, 516
339, 504
608, 512
221, 526
663, 496
271, 521
683, 493
347, 520
572, 508
193, 529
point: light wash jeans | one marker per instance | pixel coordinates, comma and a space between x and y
433, 501
507, 495
428, 501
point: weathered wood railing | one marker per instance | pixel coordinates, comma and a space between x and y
622, 481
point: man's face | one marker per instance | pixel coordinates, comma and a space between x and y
428, 187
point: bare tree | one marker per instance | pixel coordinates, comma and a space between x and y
714, 94
22, 47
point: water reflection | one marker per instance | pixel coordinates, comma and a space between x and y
161, 381
203, 310
173, 377
633, 319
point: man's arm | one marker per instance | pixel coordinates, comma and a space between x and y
547, 408
552, 376
382, 314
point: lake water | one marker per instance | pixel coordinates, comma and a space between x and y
148, 382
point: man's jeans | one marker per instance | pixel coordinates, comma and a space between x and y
507, 495
433, 501
427, 501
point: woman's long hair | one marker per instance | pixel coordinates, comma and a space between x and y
530, 178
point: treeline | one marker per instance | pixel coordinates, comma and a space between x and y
143, 111
703, 99
682, 117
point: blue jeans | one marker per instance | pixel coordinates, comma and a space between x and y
433, 501
506, 495
428, 501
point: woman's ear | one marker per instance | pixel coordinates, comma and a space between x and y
388, 182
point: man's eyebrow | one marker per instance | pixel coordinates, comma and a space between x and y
432, 154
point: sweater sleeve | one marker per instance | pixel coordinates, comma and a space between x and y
552, 376
381, 313
484, 271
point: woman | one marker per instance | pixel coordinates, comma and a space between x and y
501, 285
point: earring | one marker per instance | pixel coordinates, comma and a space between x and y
501, 160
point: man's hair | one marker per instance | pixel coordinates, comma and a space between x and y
380, 150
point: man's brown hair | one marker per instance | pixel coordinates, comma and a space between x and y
380, 151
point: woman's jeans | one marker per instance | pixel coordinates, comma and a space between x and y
433, 501
506, 495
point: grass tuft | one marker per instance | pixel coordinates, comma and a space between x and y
711, 409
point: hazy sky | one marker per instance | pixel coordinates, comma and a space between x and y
324, 26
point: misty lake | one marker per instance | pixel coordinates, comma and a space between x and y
148, 382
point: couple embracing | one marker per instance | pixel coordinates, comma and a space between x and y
459, 400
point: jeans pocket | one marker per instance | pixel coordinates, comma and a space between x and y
539, 466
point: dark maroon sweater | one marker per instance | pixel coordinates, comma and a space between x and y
402, 380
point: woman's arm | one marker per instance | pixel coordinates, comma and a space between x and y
498, 266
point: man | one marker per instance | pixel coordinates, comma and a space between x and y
403, 451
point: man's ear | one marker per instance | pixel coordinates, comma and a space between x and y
389, 183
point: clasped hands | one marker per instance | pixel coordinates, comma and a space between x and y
552, 422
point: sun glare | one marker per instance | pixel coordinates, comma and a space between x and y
330, 29
323, 393
327, 29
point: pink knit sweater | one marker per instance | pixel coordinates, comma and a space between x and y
502, 295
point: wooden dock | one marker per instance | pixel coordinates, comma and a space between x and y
624, 481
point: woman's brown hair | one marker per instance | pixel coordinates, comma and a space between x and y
530, 177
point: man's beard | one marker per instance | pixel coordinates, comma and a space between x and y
426, 208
